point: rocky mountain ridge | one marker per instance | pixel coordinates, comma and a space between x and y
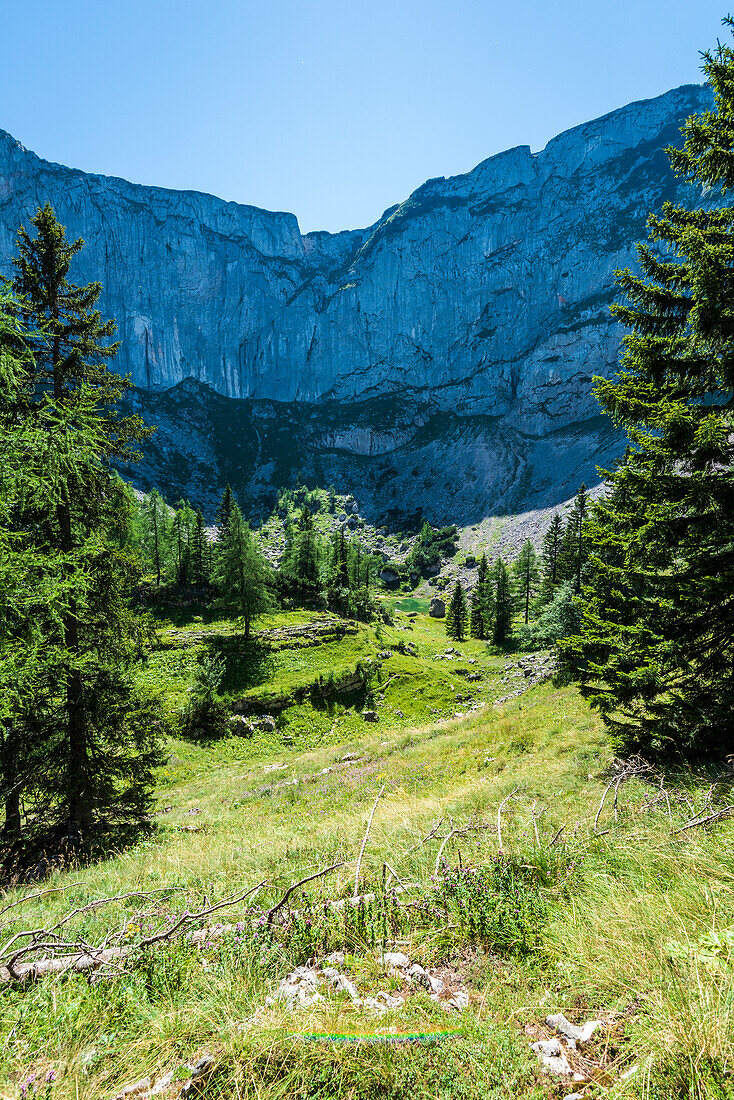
440, 360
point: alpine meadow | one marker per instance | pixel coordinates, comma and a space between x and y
367, 630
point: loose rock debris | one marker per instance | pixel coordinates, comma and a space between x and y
306, 985
563, 1054
165, 1087
530, 670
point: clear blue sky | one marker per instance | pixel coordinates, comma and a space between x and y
333, 109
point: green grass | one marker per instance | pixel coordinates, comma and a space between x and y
614, 925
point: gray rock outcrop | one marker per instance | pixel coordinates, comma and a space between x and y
459, 333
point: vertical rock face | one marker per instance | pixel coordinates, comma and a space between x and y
484, 296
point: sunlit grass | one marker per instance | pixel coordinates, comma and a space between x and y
613, 903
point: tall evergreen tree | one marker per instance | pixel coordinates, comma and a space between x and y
574, 552
482, 603
243, 575
550, 555
184, 526
656, 650
225, 509
300, 571
456, 614
503, 603
156, 537
200, 550
100, 759
526, 573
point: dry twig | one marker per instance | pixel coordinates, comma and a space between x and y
309, 878
364, 840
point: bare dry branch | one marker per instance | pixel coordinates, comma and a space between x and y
726, 811
38, 894
444, 842
364, 840
500, 808
309, 878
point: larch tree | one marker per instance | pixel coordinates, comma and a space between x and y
242, 574
102, 742
482, 603
526, 574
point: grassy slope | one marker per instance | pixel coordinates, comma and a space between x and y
593, 942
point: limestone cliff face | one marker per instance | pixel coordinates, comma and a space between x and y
484, 295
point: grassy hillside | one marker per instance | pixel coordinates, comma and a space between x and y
539, 903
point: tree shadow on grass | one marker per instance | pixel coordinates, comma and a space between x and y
46, 853
247, 665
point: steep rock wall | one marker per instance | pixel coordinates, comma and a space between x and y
481, 296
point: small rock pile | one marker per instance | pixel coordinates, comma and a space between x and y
246, 727
525, 673
166, 1087
560, 1054
303, 987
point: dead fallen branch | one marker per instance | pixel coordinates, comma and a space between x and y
500, 808
38, 894
718, 815
633, 768
364, 840
302, 882
80, 956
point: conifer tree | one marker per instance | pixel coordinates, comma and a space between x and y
656, 649
101, 743
225, 509
300, 566
456, 615
482, 602
526, 573
503, 603
199, 550
32, 584
243, 575
184, 525
550, 556
574, 552
155, 542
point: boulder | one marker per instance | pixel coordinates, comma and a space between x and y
437, 609
370, 715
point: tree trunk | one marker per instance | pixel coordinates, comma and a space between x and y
155, 540
11, 827
79, 810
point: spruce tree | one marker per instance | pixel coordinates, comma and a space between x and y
456, 615
549, 561
656, 649
184, 527
299, 571
32, 585
503, 603
242, 574
225, 509
574, 551
526, 573
482, 602
200, 550
101, 744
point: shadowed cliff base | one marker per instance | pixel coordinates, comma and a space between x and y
403, 461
